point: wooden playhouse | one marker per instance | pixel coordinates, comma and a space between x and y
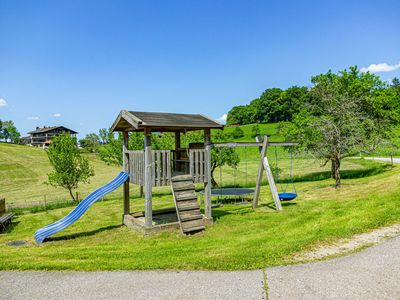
150, 168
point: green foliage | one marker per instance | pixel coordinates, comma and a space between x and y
69, 167
111, 153
105, 135
255, 130
274, 105
237, 132
346, 112
91, 142
9, 132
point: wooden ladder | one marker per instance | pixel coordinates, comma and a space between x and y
187, 206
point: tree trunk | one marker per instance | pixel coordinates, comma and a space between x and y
336, 171
72, 195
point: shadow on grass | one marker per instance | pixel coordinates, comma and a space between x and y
344, 174
81, 234
271, 205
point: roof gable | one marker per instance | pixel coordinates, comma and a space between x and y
156, 121
52, 128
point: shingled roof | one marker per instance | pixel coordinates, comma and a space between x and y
138, 121
48, 129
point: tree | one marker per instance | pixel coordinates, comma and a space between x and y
105, 135
221, 156
69, 167
396, 82
9, 131
347, 112
111, 153
237, 133
91, 142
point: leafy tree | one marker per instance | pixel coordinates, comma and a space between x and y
111, 153
396, 82
255, 130
9, 131
91, 142
243, 114
69, 167
347, 112
221, 156
238, 132
105, 135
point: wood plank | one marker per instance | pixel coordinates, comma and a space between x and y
178, 178
164, 167
272, 185
263, 151
169, 167
158, 168
207, 171
183, 186
148, 207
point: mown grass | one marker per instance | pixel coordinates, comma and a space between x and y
240, 238
23, 173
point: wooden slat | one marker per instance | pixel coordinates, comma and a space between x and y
187, 205
164, 169
168, 167
183, 186
193, 225
158, 168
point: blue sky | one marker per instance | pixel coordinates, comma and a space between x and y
78, 63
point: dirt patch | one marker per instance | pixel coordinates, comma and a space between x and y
349, 245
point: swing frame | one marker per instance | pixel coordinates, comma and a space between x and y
263, 165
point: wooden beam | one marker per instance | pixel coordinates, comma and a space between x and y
207, 174
253, 144
263, 151
272, 185
264, 165
125, 158
148, 205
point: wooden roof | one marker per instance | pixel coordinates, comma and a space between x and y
52, 128
138, 121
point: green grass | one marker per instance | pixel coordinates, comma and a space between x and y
240, 238
23, 173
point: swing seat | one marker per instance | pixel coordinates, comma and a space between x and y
287, 196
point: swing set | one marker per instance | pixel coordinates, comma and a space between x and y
287, 191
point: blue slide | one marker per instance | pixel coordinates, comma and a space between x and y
45, 232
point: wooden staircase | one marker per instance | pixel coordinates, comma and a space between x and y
187, 206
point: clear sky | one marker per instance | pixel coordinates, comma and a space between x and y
78, 63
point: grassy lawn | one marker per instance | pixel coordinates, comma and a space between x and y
23, 171
240, 238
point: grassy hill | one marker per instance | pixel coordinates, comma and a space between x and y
23, 173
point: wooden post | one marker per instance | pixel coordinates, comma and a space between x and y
148, 209
207, 174
272, 185
264, 165
263, 150
125, 158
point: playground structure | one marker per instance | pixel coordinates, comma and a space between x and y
150, 168
179, 168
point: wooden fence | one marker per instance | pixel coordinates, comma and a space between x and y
162, 166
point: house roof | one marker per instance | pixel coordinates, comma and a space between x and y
156, 121
48, 129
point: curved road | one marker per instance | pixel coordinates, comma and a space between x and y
371, 274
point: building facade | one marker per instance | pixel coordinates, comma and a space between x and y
42, 137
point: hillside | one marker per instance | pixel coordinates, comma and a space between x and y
23, 173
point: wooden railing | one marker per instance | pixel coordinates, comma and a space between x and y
197, 166
162, 166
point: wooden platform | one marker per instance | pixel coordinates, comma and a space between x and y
187, 206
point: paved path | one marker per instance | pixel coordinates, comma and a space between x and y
386, 159
371, 274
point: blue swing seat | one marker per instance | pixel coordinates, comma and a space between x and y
287, 196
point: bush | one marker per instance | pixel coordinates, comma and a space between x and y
237, 133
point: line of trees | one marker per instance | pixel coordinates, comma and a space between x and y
278, 105
8, 132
